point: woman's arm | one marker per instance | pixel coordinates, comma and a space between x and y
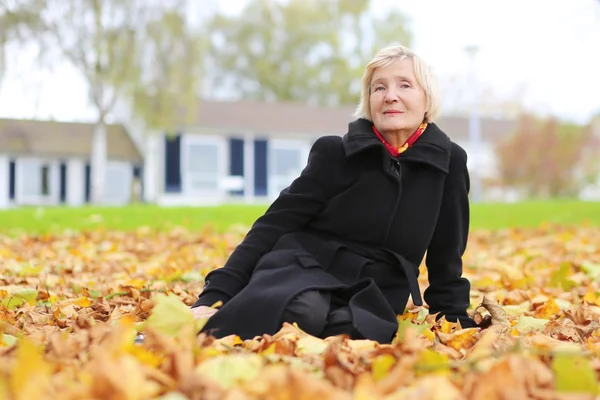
448, 291
294, 208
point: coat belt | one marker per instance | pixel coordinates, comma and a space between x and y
325, 250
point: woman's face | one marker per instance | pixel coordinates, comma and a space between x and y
398, 102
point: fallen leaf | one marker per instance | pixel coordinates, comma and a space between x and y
31, 374
549, 309
169, 315
381, 365
527, 324
231, 370
498, 314
574, 373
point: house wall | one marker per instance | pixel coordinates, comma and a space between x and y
51, 181
204, 168
30, 181
4, 182
75, 182
119, 182
154, 167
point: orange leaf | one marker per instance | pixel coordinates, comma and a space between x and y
549, 309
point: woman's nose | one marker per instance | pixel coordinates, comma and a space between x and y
391, 96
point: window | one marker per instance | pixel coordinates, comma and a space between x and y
45, 178
203, 163
12, 179
286, 161
203, 166
36, 180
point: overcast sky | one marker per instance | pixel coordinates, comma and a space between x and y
551, 46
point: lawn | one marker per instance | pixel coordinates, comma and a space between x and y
221, 218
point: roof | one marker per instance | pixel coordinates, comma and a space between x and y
298, 118
63, 139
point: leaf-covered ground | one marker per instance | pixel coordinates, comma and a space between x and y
71, 306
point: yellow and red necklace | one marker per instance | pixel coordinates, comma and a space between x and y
409, 142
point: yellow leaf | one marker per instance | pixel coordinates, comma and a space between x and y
428, 333
591, 297
310, 345
27, 294
560, 277
407, 316
574, 373
145, 356
381, 366
447, 327
231, 369
209, 352
516, 310
413, 321
527, 324
30, 375
549, 309
269, 350
170, 315
431, 362
82, 302
486, 282
462, 339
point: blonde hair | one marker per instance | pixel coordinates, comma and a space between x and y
423, 73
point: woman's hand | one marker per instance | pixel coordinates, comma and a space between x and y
203, 312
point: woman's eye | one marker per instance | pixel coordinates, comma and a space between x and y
378, 88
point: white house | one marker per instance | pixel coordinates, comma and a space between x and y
48, 163
247, 151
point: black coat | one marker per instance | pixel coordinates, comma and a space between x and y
360, 221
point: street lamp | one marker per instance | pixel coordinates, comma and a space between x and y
474, 126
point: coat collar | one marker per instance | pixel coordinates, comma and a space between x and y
432, 148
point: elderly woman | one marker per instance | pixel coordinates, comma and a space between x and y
338, 251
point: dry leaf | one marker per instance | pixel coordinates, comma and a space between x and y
496, 311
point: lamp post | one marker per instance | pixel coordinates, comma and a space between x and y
474, 127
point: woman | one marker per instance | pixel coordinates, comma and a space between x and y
338, 251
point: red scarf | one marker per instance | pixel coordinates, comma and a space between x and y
409, 142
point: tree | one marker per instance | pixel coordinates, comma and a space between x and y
166, 93
19, 21
114, 44
547, 158
300, 50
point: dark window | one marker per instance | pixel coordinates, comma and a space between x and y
173, 164
63, 183
45, 189
88, 183
236, 161
138, 177
12, 172
260, 167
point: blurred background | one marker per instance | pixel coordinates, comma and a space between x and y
209, 102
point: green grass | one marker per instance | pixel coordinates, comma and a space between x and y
487, 216
534, 214
55, 219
